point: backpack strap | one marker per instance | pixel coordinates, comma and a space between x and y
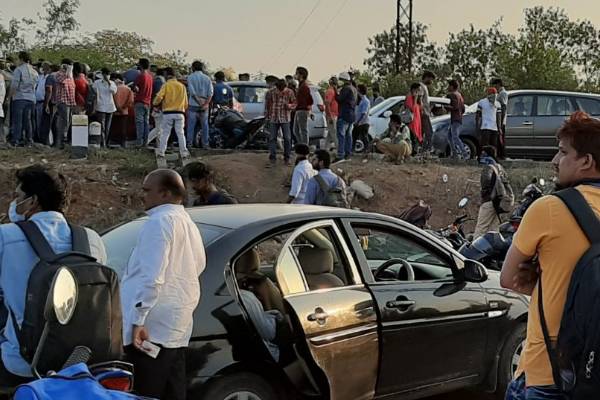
37, 240
549, 348
81, 242
582, 212
322, 184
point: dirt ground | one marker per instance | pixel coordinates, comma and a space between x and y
105, 189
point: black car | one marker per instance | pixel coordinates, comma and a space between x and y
533, 117
367, 307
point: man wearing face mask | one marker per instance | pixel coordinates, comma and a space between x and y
40, 197
488, 120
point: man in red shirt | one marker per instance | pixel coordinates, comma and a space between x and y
143, 98
304, 102
332, 110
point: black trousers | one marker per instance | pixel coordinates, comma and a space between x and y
490, 138
162, 378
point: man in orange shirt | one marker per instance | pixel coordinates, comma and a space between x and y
123, 101
332, 110
550, 232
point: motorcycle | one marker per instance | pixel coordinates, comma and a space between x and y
110, 380
491, 248
454, 234
230, 130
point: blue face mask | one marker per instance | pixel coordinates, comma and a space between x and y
13, 215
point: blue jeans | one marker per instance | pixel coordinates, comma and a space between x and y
287, 140
142, 122
517, 391
344, 135
457, 147
195, 115
22, 114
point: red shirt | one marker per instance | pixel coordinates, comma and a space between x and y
331, 103
415, 125
304, 99
81, 90
144, 84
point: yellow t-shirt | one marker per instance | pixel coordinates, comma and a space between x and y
549, 230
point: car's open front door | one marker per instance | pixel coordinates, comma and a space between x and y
332, 306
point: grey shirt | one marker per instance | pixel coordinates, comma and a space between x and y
503, 100
426, 107
24, 81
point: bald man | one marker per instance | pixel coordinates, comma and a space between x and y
160, 289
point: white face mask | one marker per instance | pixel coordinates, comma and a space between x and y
13, 215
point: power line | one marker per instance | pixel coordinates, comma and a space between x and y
327, 26
285, 44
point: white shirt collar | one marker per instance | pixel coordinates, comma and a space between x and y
164, 208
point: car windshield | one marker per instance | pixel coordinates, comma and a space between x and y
250, 94
384, 105
120, 241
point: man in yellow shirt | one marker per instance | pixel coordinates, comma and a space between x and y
550, 232
173, 100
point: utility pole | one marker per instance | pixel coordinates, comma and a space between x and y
404, 12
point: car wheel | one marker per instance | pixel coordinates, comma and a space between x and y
509, 358
470, 147
240, 386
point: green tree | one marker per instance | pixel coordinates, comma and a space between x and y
11, 37
58, 23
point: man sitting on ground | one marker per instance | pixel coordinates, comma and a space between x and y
395, 142
200, 178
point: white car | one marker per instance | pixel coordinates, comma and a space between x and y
379, 115
250, 101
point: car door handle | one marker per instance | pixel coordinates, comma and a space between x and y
527, 123
319, 316
401, 304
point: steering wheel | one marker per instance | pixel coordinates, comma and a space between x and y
410, 272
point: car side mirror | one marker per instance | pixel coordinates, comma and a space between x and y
387, 114
474, 271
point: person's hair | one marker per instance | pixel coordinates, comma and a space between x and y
160, 71
280, 84
77, 68
497, 81
395, 118
428, 74
116, 76
271, 79
303, 72
169, 71
490, 151
362, 89
25, 56
453, 83
144, 63
289, 78
197, 66
105, 71
220, 75
170, 182
67, 61
302, 149
49, 187
54, 68
415, 86
324, 156
583, 133
333, 81
198, 170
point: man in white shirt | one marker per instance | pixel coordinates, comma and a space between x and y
161, 289
488, 121
105, 103
302, 174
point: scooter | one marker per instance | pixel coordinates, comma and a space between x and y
491, 248
112, 380
231, 130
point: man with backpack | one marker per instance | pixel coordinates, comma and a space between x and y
326, 188
38, 223
496, 193
547, 262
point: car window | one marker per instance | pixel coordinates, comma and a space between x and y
590, 106
384, 105
438, 109
250, 94
554, 106
316, 258
520, 106
121, 241
380, 245
397, 107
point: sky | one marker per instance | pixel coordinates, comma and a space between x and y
274, 36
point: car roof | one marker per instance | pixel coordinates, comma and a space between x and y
554, 92
238, 215
248, 83
436, 99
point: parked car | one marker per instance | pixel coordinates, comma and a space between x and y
533, 117
250, 101
371, 307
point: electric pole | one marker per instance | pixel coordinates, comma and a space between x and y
404, 13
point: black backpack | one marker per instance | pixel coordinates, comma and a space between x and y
575, 369
97, 321
335, 196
